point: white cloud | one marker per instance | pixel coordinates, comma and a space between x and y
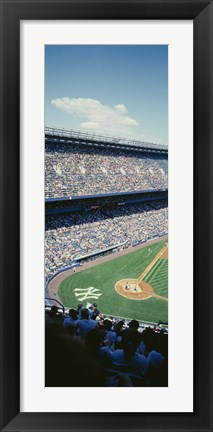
97, 116
90, 125
121, 107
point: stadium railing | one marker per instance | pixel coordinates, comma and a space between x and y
49, 302
65, 133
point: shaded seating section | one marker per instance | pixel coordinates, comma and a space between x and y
76, 234
76, 359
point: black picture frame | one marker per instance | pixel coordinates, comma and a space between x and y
201, 12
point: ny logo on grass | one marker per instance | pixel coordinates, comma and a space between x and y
85, 293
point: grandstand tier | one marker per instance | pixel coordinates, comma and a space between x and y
75, 169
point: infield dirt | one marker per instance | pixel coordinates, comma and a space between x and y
138, 289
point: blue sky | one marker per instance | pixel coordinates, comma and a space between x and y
119, 90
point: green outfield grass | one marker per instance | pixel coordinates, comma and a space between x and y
104, 276
158, 277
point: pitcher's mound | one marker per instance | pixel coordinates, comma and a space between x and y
131, 289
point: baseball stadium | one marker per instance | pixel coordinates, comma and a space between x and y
106, 257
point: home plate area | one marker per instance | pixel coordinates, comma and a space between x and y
138, 289
133, 290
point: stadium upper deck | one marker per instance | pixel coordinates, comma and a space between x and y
85, 164
64, 135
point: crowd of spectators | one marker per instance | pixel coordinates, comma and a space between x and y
78, 234
87, 349
82, 347
78, 170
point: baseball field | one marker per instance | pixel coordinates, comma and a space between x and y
134, 285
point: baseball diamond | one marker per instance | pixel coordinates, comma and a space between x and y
116, 282
138, 289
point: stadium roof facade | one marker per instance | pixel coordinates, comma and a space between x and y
53, 134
